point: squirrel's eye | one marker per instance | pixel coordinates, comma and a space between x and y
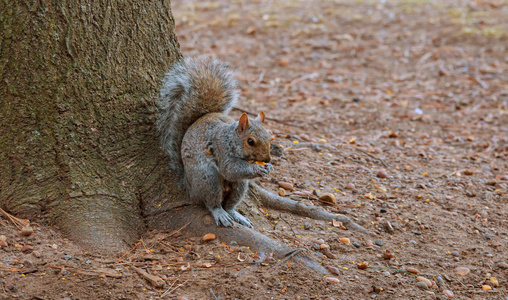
250, 142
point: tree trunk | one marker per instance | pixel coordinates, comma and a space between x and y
77, 142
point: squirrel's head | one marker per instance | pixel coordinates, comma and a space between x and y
256, 140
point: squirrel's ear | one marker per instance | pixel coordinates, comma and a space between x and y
261, 117
243, 123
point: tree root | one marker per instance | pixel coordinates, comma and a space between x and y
300, 208
202, 223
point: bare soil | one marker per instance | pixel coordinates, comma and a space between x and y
398, 109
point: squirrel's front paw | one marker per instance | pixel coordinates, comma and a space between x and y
262, 171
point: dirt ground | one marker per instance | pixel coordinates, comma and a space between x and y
398, 108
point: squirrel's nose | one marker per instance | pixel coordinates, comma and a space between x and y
267, 160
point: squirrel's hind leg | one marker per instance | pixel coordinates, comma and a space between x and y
206, 188
238, 191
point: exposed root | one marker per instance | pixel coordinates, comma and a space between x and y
300, 208
201, 223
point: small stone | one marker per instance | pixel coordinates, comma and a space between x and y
345, 240
378, 242
381, 174
388, 254
388, 226
328, 254
386, 273
26, 230
468, 172
423, 279
448, 293
440, 280
282, 192
455, 253
488, 236
54, 246
333, 279
36, 254
412, 270
383, 210
328, 198
422, 285
357, 245
319, 241
333, 270
363, 265
67, 256
283, 62
209, 237
286, 185
350, 186
494, 281
393, 134
3, 238
307, 226
487, 287
324, 246
3, 244
417, 232
27, 248
369, 243
503, 265
462, 271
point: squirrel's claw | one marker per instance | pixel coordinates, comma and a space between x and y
222, 217
239, 218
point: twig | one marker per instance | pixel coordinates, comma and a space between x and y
394, 270
372, 156
170, 291
135, 246
289, 255
481, 82
290, 227
19, 223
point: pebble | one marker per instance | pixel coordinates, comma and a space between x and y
455, 253
487, 287
333, 279
462, 271
3, 244
417, 232
10, 286
282, 192
328, 198
209, 237
324, 246
388, 254
413, 242
503, 265
369, 243
412, 270
381, 174
350, 186
333, 270
448, 293
386, 273
363, 265
357, 245
494, 281
36, 254
27, 248
26, 230
345, 240
3, 238
383, 210
378, 242
422, 285
328, 254
307, 226
440, 280
423, 279
286, 185
67, 256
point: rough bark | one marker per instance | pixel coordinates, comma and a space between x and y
77, 141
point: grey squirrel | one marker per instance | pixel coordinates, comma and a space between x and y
213, 155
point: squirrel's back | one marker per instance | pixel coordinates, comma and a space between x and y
192, 88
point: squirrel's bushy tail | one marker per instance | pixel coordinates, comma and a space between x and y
192, 88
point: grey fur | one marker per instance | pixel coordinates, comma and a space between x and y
209, 151
185, 97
